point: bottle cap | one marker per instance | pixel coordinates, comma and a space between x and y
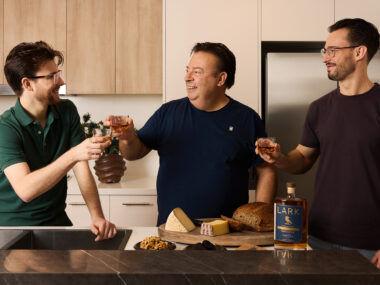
291, 186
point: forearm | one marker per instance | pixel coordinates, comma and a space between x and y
29, 185
266, 183
88, 189
133, 148
294, 162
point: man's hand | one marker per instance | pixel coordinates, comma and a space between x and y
121, 133
91, 148
103, 229
376, 259
270, 157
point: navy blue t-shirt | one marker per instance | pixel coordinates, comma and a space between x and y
204, 157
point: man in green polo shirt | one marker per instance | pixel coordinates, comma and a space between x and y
41, 139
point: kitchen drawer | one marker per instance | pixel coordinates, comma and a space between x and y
78, 212
126, 211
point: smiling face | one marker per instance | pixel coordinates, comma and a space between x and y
46, 90
203, 79
342, 65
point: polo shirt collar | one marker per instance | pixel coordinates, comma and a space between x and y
21, 115
25, 119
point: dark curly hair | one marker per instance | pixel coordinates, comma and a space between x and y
25, 59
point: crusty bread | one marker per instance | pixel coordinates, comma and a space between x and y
236, 225
257, 215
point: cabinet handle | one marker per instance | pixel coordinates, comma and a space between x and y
77, 203
137, 204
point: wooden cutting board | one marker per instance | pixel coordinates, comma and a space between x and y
231, 239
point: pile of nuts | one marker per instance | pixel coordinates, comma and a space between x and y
154, 243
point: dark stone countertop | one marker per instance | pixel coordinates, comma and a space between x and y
185, 267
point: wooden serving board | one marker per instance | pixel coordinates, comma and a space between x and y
231, 239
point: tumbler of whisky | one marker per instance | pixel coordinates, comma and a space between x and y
118, 124
105, 132
266, 145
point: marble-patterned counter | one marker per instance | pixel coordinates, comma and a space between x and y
185, 267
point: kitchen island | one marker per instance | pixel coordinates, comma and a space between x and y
183, 266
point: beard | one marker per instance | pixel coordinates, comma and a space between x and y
342, 70
50, 98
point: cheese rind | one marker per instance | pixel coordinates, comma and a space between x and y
215, 228
178, 221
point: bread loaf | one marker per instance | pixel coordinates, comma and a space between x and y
257, 216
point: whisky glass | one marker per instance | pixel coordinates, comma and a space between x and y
118, 124
105, 132
266, 145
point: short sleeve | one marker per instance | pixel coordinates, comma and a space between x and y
11, 146
259, 133
149, 133
309, 138
77, 134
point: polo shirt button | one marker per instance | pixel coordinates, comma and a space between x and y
39, 132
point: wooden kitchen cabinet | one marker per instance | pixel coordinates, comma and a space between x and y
78, 212
126, 211
296, 20
91, 46
234, 23
368, 10
139, 46
34, 20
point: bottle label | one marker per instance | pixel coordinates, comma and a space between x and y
288, 223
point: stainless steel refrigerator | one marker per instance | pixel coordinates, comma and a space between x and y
293, 80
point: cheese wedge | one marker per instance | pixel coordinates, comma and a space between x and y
215, 228
178, 221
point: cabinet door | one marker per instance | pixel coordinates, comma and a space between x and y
234, 23
368, 10
35, 20
90, 46
296, 20
77, 210
127, 211
139, 46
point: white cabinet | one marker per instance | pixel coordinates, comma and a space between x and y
234, 23
296, 20
133, 210
368, 10
78, 212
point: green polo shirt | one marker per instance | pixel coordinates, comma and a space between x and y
24, 140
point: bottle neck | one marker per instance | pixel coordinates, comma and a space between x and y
291, 192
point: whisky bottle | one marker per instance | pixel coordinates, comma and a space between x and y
290, 220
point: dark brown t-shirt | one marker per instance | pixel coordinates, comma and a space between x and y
346, 130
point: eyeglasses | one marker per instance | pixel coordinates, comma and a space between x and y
332, 50
55, 76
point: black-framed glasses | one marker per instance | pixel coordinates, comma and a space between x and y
332, 50
55, 76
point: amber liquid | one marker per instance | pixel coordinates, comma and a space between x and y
108, 138
294, 202
119, 128
266, 149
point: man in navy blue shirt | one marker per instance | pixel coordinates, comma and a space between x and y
205, 142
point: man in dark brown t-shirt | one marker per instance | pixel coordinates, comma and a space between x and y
343, 128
